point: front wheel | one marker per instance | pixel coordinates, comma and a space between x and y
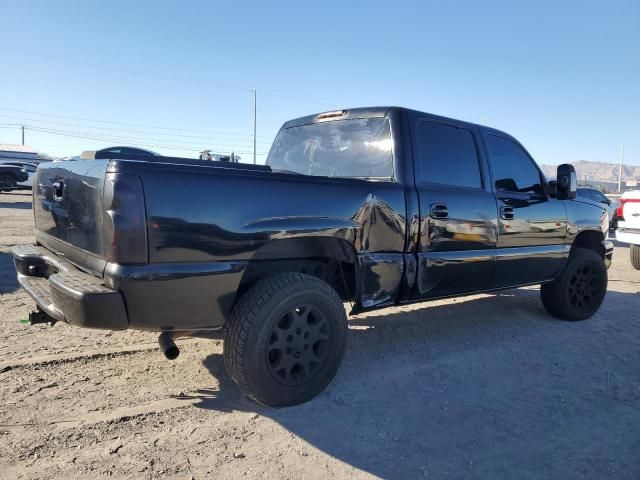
635, 256
579, 291
285, 339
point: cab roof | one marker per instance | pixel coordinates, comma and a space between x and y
369, 112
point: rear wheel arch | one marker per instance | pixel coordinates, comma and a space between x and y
330, 259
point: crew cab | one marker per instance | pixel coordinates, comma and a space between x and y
376, 206
628, 213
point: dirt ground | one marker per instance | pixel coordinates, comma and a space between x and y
487, 386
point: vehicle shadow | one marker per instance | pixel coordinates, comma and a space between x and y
489, 387
18, 195
8, 278
18, 205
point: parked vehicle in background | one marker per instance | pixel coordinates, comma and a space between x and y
218, 157
11, 176
29, 169
629, 224
377, 206
597, 196
615, 203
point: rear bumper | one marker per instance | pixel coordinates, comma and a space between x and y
628, 235
156, 297
67, 294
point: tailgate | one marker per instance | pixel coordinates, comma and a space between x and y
68, 210
631, 213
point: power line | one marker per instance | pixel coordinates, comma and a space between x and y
107, 122
106, 139
125, 70
132, 139
67, 152
119, 69
255, 121
248, 137
621, 162
191, 139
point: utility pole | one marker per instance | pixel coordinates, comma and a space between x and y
255, 109
22, 127
620, 172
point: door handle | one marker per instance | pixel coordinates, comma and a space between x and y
439, 210
507, 213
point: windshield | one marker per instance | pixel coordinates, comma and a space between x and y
357, 148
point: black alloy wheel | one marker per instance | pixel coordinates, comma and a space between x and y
580, 289
285, 339
583, 287
298, 345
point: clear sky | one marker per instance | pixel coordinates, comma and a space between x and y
562, 76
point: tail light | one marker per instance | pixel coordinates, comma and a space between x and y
620, 209
125, 226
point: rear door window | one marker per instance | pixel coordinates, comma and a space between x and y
447, 155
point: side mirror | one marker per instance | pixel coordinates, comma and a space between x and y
567, 182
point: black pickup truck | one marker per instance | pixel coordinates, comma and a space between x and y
375, 206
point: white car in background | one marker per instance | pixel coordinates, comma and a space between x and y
629, 224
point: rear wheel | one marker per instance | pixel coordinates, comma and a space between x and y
635, 256
285, 339
579, 291
7, 181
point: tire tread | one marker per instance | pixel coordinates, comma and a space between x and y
634, 253
249, 310
552, 294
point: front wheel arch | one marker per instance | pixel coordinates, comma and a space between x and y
590, 240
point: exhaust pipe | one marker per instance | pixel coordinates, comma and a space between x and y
168, 346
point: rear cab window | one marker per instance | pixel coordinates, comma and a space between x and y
447, 155
346, 148
585, 193
598, 196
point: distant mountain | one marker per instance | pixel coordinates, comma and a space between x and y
597, 171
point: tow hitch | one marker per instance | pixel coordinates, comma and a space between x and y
38, 316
